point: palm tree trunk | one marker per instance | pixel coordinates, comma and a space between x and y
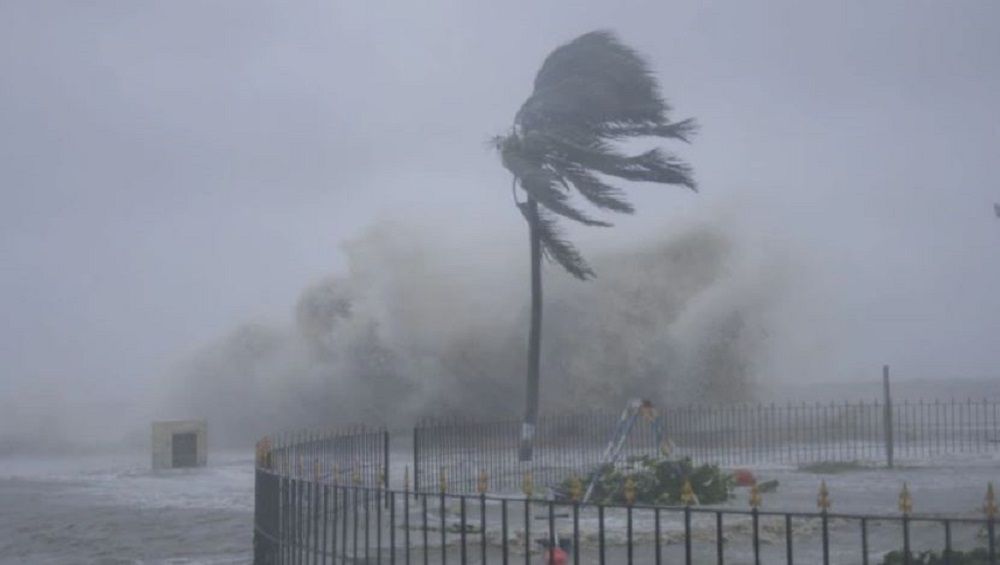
534, 336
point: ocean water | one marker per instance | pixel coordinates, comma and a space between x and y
112, 509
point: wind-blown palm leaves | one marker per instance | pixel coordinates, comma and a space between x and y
589, 94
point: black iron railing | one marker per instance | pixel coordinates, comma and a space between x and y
743, 434
311, 521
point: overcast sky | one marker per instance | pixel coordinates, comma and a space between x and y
171, 169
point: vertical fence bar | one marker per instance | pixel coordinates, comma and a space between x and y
392, 527
687, 535
315, 518
462, 521
423, 502
385, 460
789, 550
527, 531
416, 460
755, 516
864, 541
826, 537
657, 549
482, 527
947, 542
406, 527
628, 533
906, 540
367, 522
720, 540
378, 524
600, 534
300, 519
576, 533
552, 528
444, 530
503, 532
354, 521
326, 516
336, 515
888, 416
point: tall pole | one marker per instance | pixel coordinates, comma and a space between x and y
887, 417
534, 335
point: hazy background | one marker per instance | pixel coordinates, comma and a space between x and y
174, 174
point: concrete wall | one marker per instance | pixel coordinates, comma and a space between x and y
163, 435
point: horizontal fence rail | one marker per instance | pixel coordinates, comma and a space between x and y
309, 521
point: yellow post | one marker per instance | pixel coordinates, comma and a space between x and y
755, 497
687, 493
356, 477
905, 500
442, 480
990, 506
483, 483
528, 484
823, 500
336, 474
575, 488
629, 490
406, 479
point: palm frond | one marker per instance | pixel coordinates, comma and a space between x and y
597, 192
683, 130
556, 247
651, 166
542, 184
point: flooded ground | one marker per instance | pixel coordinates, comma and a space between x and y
114, 509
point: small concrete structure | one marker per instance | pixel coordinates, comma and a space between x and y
181, 443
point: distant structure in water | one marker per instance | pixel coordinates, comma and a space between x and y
180, 443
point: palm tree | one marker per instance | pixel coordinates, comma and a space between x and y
589, 95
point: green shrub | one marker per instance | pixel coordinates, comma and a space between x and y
657, 481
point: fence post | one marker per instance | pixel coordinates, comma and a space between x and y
887, 416
385, 459
416, 460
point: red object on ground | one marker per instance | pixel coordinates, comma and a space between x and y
556, 556
744, 478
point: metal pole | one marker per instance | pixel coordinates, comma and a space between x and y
416, 460
888, 416
385, 461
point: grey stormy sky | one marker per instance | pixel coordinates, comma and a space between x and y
171, 169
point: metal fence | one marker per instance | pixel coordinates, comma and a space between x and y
846, 431
315, 521
461, 451
745, 434
358, 455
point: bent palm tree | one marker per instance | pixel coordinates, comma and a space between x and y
588, 95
